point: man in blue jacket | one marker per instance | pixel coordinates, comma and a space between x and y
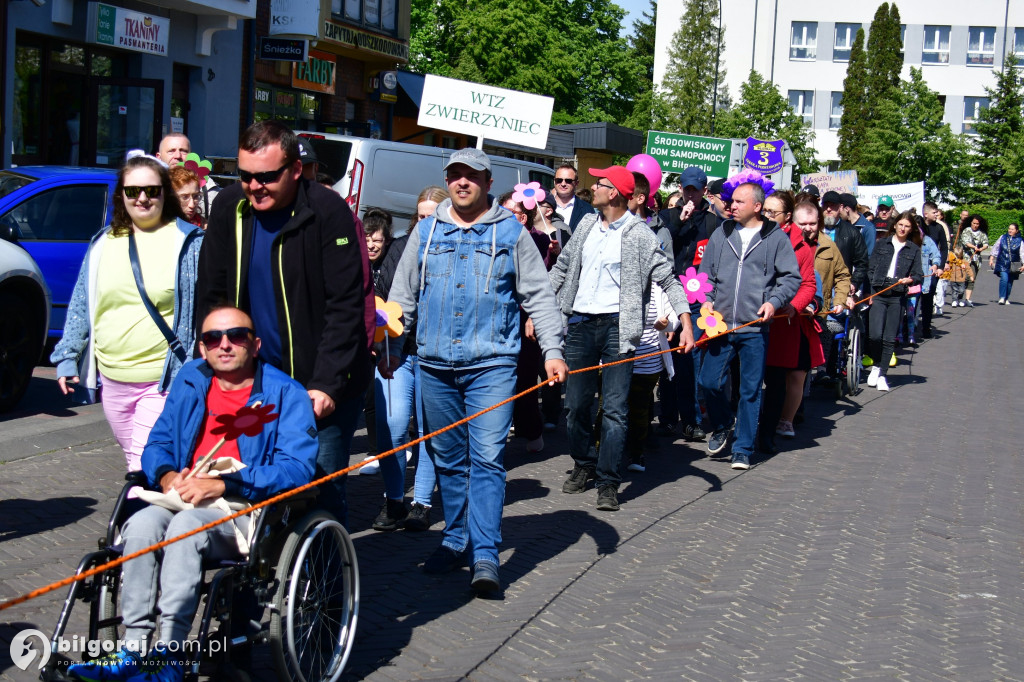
280, 457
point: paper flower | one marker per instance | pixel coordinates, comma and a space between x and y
247, 421
711, 322
528, 194
696, 285
200, 167
389, 320
743, 177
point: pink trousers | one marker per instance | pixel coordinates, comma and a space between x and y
131, 411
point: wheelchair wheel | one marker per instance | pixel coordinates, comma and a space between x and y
853, 360
109, 625
316, 604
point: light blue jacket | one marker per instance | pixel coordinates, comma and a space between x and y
930, 255
74, 354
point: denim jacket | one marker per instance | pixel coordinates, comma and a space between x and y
930, 255
462, 288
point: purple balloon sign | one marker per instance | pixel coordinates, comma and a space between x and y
764, 157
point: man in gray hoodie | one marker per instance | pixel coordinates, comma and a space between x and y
751, 265
603, 282
464, 273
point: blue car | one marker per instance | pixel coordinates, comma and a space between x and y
52, 212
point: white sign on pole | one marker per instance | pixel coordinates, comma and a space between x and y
297, 18
485, 111
906, 196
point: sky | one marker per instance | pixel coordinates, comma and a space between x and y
635, 10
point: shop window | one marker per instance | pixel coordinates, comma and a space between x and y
973, 107
378, 15
845, 33
936, 45
26, 117
981, 46
804, 42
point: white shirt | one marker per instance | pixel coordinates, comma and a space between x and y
598, 292
747, 236
896, 245
565, 211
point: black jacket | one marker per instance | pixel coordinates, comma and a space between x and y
686, 234
851, 245
319, 286
908, 264
580, 210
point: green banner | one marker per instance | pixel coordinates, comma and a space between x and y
677, 152
105, 18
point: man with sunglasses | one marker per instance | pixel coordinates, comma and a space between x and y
570, 207
281, 456
287, 251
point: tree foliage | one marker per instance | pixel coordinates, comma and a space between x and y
572, 51
853, 124
997, 175
763, 113
884, 61
909, 142
688, 88
649, 111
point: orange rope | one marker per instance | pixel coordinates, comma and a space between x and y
289, 493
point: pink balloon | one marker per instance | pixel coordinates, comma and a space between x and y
650, 168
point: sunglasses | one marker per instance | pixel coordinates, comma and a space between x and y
564, 181
236, 335
152, 191
264, 178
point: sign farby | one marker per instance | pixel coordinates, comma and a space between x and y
318, 73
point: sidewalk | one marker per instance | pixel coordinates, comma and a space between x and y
885, 543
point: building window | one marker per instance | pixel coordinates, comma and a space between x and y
802, 102
379, 15
804, 42
903, 41
936, 45
835, 112
845, 33
981, 46
973, 107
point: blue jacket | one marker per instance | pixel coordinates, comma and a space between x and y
930, 255
73, 354
281, 457
1005, 251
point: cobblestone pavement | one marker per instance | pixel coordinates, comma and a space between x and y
884, 541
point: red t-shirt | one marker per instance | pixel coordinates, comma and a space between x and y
218, 402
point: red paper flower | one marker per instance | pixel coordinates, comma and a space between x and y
199, 166
248, 421
695, 284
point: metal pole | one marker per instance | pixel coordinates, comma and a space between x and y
718, 58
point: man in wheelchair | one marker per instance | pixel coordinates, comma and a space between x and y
279, 457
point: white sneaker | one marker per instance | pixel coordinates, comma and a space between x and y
873, 376
882, 384
371, 468
1002, 301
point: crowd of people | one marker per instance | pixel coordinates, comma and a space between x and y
273, 294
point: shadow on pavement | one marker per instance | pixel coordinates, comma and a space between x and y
20, 517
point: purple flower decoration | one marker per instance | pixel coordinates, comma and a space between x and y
743, 177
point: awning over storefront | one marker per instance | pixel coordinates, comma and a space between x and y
412, 84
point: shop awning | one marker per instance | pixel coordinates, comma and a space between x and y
412, 83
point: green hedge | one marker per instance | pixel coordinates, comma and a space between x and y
997, 219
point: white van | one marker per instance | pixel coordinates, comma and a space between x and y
390, 175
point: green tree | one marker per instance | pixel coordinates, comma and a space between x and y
884, 61
688, 88
648, 110
571, 51
853, 124
996, 177
763, 113
909, 142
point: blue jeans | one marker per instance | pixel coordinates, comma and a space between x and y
469, 459
714, 375
586, 344
393, 424
335, 434
1005, 285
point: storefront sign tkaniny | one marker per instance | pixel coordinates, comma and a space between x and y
119, 27
318, 73
352, 37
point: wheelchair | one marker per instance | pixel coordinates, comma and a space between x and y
301, 567
850, 353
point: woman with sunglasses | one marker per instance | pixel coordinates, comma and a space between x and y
113, 336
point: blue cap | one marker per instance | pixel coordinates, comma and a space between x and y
693, 177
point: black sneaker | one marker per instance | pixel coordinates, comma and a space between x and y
578, 479
608, 498
485, 577
718, 441
418, 518
692, 433
443, 560
391, 515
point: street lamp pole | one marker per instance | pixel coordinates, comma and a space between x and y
718, 57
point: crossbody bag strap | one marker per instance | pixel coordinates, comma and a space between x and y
172, 341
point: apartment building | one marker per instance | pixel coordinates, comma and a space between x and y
805, 48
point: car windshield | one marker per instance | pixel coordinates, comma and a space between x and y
11, 181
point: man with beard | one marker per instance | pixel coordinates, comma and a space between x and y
850, 243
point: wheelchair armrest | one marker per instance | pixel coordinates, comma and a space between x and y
136, 478
124, 507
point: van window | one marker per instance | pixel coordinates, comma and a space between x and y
397, 177
505, 178
546, 180
332, 155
